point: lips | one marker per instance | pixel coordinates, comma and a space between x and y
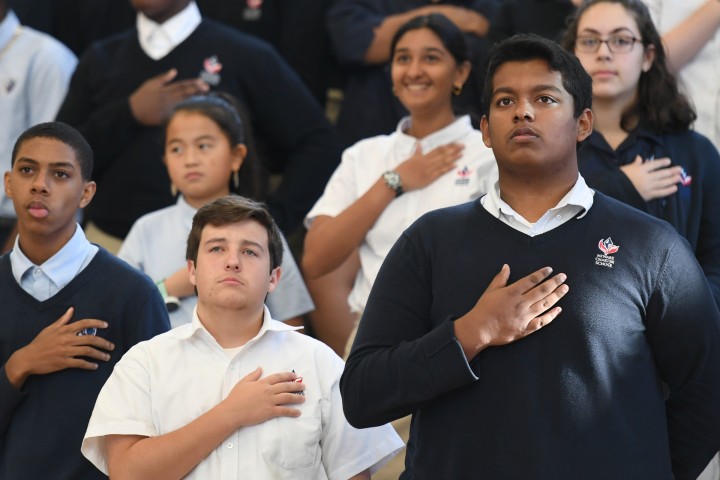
231, 280
38, 209
192, 175
600, 74
524, 133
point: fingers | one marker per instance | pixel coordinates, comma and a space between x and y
286, 411
529, 282
548, 294
538, 322
168, 76
500, 280
281, 377
252, 376
65, 318
188, 88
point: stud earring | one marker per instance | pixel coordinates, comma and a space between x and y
173, 190
236, 179
456, 90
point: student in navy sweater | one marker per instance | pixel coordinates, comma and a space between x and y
609, 369
70, 310
125, 86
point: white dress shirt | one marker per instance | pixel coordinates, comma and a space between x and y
165, 383
362, 165
157, 40
574, 204
44, 281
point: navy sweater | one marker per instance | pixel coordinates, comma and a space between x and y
581, 398
42, 426
694, 210
132, 180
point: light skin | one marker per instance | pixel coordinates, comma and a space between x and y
532, 131
200, 160
615, 89
423, 74
46, 187
233, 276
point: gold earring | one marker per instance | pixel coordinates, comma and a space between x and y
457, 90
173, 190
236, 179
394, 91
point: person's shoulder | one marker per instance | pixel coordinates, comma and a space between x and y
149, 220
377, 144
42, 42
217, 31
615, 212
306, 344
120, 273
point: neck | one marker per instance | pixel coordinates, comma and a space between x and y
40, 248
230, 327
532, 197
608, 118
423, 124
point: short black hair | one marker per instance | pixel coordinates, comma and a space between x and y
525, 47
449, 34
234, 209
64, 133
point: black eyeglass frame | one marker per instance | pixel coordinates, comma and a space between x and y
584, 49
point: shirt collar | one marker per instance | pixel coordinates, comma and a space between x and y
157, 40
187, 211
580, 196
268, 325
453, 133
8, 27
62, 267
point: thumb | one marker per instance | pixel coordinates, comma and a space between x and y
253, 376
168, 76
638, 160
500, 280
65, 317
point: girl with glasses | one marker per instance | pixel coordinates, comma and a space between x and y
642, 150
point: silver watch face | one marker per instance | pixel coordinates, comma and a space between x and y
392, 179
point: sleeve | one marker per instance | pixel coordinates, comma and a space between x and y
52, 69
341, 190
291, 297
351, 25
108, 127
683, 329
131, 249
502, 26
606, 177
123, 407
10, 398
347, 451
399, 361
296, 132
150, 318
707, 250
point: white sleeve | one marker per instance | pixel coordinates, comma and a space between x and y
291, 297
49, 79
131, 249
123, 407
346, 450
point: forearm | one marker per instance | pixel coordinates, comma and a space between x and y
379, 50
178, 284
169, 456
686, 39
16, 369
331, 240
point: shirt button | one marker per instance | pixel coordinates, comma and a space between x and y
37, 271
230, 445
559, 217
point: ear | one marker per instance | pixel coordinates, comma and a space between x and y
191, 271
485, 129
461, 73
274, 278
8, 190
239, 152
648, 58
88, 193
585, 125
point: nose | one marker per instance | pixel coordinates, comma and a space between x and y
39, 184
414, 69
524, 111
191, 157
603, 50
232, 262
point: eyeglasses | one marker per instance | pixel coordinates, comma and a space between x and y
616, 43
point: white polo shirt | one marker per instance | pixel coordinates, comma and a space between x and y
165, 383
362, 165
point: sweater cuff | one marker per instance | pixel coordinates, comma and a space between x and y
448, 366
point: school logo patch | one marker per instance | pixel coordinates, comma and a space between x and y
253, 11
608, 248
685, 179
463, 176
211, 71
298, 380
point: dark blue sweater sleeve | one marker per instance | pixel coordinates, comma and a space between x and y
400, 360
707, 249
350, 24
10, 398
683, 328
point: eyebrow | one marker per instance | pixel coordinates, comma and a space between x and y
244, 243
617, 30
35, 163
426, 49
535, 89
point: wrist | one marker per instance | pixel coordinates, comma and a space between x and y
14, 370
393, 182
172, 303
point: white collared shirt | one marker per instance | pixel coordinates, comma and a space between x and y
574, 204
362, 165
157, 40
165, 383
44, 281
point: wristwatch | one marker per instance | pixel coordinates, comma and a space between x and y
392, 180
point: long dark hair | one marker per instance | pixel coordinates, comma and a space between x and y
231, 117
659, 103
450, 35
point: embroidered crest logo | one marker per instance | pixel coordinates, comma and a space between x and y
608, 248
298, 380
211, 71
685, 179
463, 176
253, 11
